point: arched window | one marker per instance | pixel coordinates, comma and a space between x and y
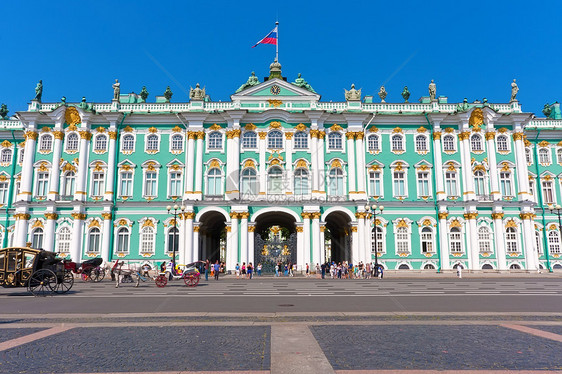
177, 142
147, 240
72, 142
455, 240
514, 267
505, 183
63, 240
128, 143
46, 143
476, 143
301, 182
487, 267
123, 240
215, 140
402, 240
544, 156
101, 143
484, 240
397, 143
448, 143
249, 182
94, 240
152, 142
173, 239
6, 156
275, 181
335, 182
334, 141
421, 143
404, 267
373, 143
502, 143
427, 240
275, 139
479, 183
529, 156
214, 182
37, 238
249, 139
301, 140
554, 241
68, 182
511, 239
429, 267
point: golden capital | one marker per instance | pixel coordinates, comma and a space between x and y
443, 215
234, 215
85, 135
78, 216
525, 216
191, 134
314, 133
106, 215
517, 136
464, 135
200, 135
58, 135
30, 135
490, 135
24, 216
251, 228
236, 133
359, 135
497, 215
244, 215
189, 215
437, 135
52, 216
196, 228
228, 228
306, 215
262, 134
229, 134
112, 135
321, 134
354, 228
472, 215
350, 135
300, 229
289, 135
316, 215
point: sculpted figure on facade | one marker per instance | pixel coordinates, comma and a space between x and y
514, 91
3, 111
405, 94
143, 94
382, 94
116, 90
197, 93
300, 82
251, 82
463, 107
432, 91
38, 91
352, 94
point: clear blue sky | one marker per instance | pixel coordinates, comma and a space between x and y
471, 49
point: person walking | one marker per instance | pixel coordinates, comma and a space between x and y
323, 270
307, 270
217, 268
207, 266
250, 270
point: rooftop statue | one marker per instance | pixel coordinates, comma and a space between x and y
116, 90
83, 104
432, 90
3, 111
406, 94
464, 106
382, 94
353, 94
197, 93
168, 94
547, 110
300, 82
252, 81
143, 94
38, 91
514, 90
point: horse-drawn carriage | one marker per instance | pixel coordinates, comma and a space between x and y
190, 274
90, 270
38, 270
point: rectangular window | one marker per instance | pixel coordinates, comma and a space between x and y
42, 183
399, 184
3, 192
423, 184
505, 184
375, 183
548, 192
175, 184
126, 188
451, 184
150, 184
97, 184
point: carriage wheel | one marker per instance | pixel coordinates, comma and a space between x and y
65, 284
86, 277
191, 279
161, 281
97, 274
42, 282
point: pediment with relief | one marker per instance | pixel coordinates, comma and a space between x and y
275, 89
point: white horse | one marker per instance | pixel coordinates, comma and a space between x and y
121, 274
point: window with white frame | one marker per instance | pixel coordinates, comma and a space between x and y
479, 183
301, 140
538, 241
484, 240
275, 181
399, 183
147, 240
98, 178
100, 143
427, 240
377, 239
476, 143
449, 143
502, 143
63, 240
128, 144
554, 241
249, 140
72, 141
505, 183
397, 143
152, 143
402, 240
249, 182
123, 236
373, 143
421, 143
42, 184
176, 143
37, 238
6, 156
150, 183
451, 186
175, 183
173, 239
335, 141
215, 140
214, 182
126, 185
559, 155
301, 182
94, 240
375, 183
532, 188
21, 156
544, 156
511, 239
335, 182
455, 240
68, 183
275, 139
548, 191
4, 192
529, 156
46, 143
423, 184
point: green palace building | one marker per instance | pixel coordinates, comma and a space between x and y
276, 174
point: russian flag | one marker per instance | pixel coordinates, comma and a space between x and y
270, 38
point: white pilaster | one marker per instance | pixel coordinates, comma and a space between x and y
315, 174
22, 225
521, 167
199, 166
190, 155
351, 165
300, 246
232, 240
320, 169
251, 249
472, 240
83, 160
106, 236
77, 233
27, 168
499, 239
531, 254
190, 254
54, 178
361, 173
467, 178
316, 251
49, 240
306, 238
195, 242
111, 166
322, 248
289, 163
492, 163
443, 244
244, 255
262, 166
357, 240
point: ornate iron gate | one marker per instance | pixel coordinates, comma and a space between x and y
273, 250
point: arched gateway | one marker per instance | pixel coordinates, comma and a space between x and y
275, 240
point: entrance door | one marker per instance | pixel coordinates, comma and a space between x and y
275, 248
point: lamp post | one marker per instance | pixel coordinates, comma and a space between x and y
372, 211
174, 244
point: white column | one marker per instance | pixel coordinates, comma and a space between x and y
300, 247
314, 161
49, 241
306, 238
180, 224
499, 240
467, 178
320, 169
77, 231
472, 241
82, 177
322, 247
195, 242
235, 176
438, 169
531, 255
27, 167
361, 173
521, 165
316, 251
289, 163
55, 170
190, 254
199, 165
443, 243
22, 224
111, 166
232, 240
106, 236
492, 164
251, 249
357, 239
244, 255
351, 165
190, 154
262, 166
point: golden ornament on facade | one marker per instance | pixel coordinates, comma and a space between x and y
437, 135
374, 129
214, 126
336, 164
471, 215
398, 166
128, 129
106, 215
480, 168
112, 135
490, 135
214, 164
547, 177
359, 135
423, 167
502, 130
251, 228
517, 136
148, 223
275, 161
505, 166
151, 166
191, 134
236, 133
30, 135
336, 127
250, 127
464, 135
37, 223
249, 164
350, 135
353, 228
122, 222
45, 129
23, 216
302, 164
360, 215
59, 135
274, 103
299, 229
229, 134
476, 118
78, 216
3, 178
43, 166
85, 135
289, 135
375, 167
262, 134
525, 216
125, 167
552, 227
426, 222
314, 133
71, 116
402, 223
275, 125
455, 223
176, 129
421, 129
397, 130
544, 143
511, 223
94, 223
300, 127
449, 130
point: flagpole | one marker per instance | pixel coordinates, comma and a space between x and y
277, 44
